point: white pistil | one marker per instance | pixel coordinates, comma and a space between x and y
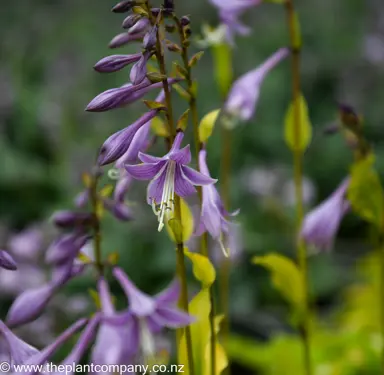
223, 248
167, 204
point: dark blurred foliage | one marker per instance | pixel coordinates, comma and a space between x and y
48, 49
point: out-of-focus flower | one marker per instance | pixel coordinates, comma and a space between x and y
213, 217
17, 352
320, 225
244, 94
118, 143
148, 315
71, 219
26, 244
169, 174
7, 262
230, 11
113, 344
116, 62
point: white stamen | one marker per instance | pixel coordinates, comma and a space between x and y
223, 248
114, 173
147, 341
167, 206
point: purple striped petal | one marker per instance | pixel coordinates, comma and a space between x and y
105, 297
122, 187
125, 38
139, 303
182, 156
7, 262
29, 305
145, 171
145, 158
45, 355
156, 186
139, 70
183, 188
196, 178
17, 350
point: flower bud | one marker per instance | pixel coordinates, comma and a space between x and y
131, 20
7, 262
123, 6
139, 70
70, 219
185, 21
124, 38
115, 62
150, 38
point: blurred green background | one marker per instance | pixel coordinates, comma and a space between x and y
48, 49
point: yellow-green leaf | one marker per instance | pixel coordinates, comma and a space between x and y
95, 297
207, 124
182, 122
298, 128
180, 70
113, 258
222, 60
365, 192
182, 92
140, 10
186, 223
87, 179
159, 128
202, 268
195, 59
155, 77
106, 191
154, 105
286, 277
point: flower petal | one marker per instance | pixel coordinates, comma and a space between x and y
145, 171
182, 156
196, 178
29, 305
170, 295
183, 187
145, 158
171, 317
140, 303
7, 262
156, 186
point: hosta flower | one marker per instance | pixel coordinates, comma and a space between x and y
118, 143
148, 315
139, 70
113, 344
213, 216
116, 62
244, 94
17, 352
230, 11
170, 175
7, 262
320, 225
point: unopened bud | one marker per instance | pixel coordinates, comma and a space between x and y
185, 21
131, 20
123, 6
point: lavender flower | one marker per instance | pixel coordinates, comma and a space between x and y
111, 346
244, 94
124, 38
230, 11
213, 214
71, 219
114, 63
124, 95
118, 143
139, 70
320, 225
7, 262
148, 315
169, 175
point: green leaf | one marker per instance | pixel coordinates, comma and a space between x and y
286, 277
195, 59
207, 124
297, 42
155, 77
222, 60
180, 70
154, 105
184, 228
182, 122
182, 92
365, 192
202, 268
298, 139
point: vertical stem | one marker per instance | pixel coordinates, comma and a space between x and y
181, 270
381, 298
204, 237
96, 225
298, 176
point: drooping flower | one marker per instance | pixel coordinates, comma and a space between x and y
170, 175
113, 344
244, 94
17, 352
148, 315
7, 262
320, 225
230, 11
213, 217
